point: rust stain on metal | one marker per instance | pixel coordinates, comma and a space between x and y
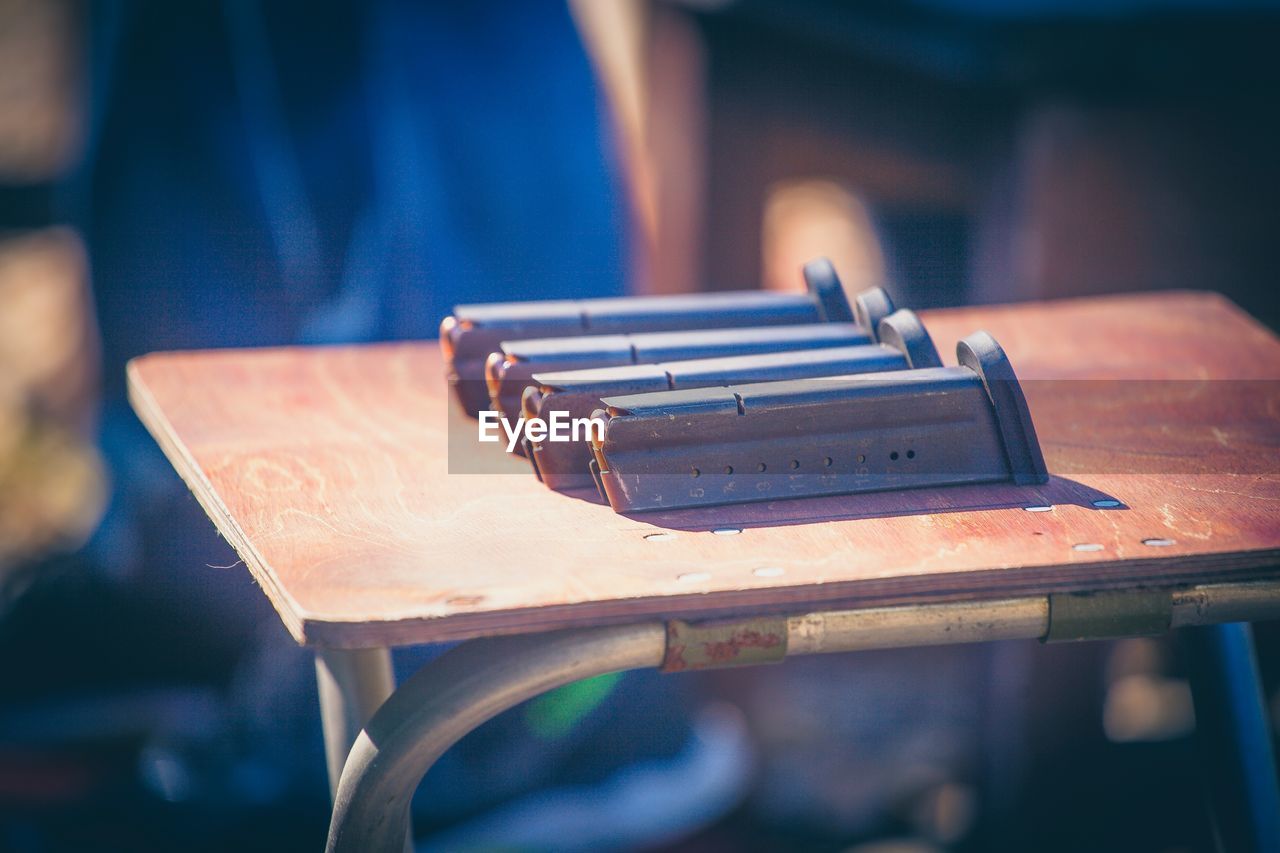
706, 645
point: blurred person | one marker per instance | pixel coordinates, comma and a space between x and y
264, 174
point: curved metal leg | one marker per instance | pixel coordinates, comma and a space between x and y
1234, 737
448, 698
480, 678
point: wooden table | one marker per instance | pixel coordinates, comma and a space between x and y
332, 473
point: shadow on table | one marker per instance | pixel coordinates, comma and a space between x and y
922, 501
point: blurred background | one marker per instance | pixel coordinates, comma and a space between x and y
209, 174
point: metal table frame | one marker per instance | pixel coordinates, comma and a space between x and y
380, 741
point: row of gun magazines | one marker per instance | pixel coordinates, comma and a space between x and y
724, 398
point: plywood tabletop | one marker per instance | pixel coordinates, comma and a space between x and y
329, 470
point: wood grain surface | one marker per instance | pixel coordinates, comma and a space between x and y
330, 471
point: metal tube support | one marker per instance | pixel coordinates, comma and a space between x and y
925, 625
353, 683
1234, 737
1006, 619
478, 679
